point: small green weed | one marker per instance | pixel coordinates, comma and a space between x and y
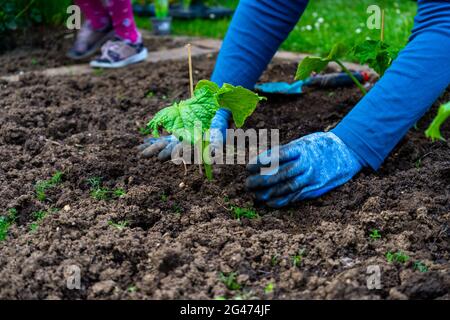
177, 208
98, 72
99, 192
6, 222
398, 256
375, 234
42, 187
274, 260
38, 217
248, 213
132, 289
230, 281
420, 266
269, 288
297, 259
120, 225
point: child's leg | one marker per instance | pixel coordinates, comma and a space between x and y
95, 12
121, 14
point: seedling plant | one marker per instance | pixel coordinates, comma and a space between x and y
377, 54
120, 225
297, 258
375, 234
420, 266
230, 281
190, 120
398, 256
39, 216
248, 213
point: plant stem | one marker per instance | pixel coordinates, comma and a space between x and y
356, 81
191, 79
191, 87
382, 26
24, 9
206, 161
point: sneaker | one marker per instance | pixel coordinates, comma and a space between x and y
118, 53
89, 41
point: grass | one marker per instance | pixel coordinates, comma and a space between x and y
324, 23
42, 187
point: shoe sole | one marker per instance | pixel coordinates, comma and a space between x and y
94, 49
141, 56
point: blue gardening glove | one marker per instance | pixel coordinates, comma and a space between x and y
308, 168
219, 126
163, 146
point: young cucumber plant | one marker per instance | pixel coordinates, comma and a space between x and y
377, 54
434, 130
189, 120
316, 64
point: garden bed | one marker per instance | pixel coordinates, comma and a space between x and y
172, 235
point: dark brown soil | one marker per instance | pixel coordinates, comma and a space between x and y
33, 53
181, 234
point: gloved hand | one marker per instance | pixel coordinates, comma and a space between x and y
219, 126
163, 146
308, 168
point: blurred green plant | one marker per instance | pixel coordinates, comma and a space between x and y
434, 130
22, 14
161, 9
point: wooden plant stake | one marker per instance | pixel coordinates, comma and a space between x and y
191, 87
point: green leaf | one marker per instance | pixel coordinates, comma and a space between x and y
312, 64
208, 84
337, 52
240, 101
434, 130
377, 54
181, 118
